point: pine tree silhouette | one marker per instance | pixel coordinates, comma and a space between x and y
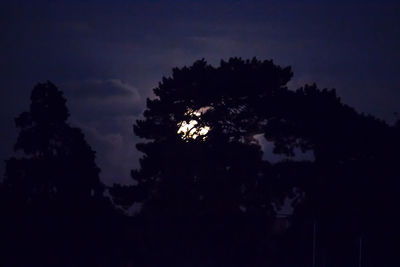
59, 166
52, 198
207, 195
202, 174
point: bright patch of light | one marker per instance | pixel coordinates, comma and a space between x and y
189, 131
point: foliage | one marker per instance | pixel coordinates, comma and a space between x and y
59, 165
222, 174
51, 200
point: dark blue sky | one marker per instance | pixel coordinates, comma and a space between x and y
108, 55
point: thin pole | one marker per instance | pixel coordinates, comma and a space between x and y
314, 242
360, 253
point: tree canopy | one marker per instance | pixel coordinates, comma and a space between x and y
203, 159
59, 165
223, 160
208, 193
211, 172
51, 199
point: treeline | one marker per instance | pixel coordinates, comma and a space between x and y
208, 197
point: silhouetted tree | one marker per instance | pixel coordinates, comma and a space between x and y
207, 194
208, 184
51, 200
351, 188
59, 167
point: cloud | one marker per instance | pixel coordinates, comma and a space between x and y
94, 99
105, 110
99, 88
115, 148
107, 57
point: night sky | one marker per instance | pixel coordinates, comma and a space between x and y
107, 56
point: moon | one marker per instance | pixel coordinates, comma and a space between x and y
189, 130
